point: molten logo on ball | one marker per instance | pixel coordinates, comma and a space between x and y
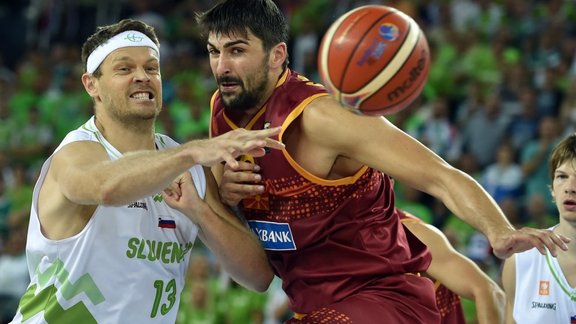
413, 76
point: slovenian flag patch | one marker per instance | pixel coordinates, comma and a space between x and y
166, 223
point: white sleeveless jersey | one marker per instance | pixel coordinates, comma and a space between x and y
542, 293
126, 266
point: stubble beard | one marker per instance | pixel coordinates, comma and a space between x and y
248, 99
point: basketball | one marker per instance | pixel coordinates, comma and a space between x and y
374, 60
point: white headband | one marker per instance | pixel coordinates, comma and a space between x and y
125, 39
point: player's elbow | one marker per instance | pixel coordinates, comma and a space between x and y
259, 282
262, 283
92, 192
108, 194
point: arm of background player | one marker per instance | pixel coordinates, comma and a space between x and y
509, 283
471, 282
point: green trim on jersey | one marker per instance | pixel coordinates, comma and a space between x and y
566, 289
45, 300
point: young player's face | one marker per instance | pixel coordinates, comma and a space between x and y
240, 67
564, 190
130, 85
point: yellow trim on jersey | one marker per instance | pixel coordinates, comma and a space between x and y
250, 123
299, 316
303, 172
282, 78
212, 111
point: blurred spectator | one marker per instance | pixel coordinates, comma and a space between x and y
485, 129
202, 291
20, 190
33, 140
473, 102
67, 107
197, 305
33, 80
515, 78
567, 116
189, 111
5, 208
524, 128
503, 179
533, 160
550, 95
538, 214
513, 211
239, 305
13, 267
306, 41
438, 132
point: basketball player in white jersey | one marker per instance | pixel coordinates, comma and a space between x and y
541, 288
110, 228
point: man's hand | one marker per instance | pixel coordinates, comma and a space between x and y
240, 182
229, 146
182, 195
523, 239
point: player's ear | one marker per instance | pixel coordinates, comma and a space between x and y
88, 80
278, 55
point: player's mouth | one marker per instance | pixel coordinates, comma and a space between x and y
229, 86
569, 205
142, 95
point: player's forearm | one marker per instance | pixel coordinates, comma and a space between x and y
490, 305
138, 174
469, 201
238, 251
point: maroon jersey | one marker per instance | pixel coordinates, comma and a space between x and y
326, 239
447, 301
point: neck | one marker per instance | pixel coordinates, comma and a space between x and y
127, 137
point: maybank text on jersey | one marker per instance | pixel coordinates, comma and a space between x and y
274, 236
151, 250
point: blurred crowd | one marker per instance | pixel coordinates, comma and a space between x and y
501, 92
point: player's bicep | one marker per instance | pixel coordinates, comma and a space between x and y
74, 169
376, 142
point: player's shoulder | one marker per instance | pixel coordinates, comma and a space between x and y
325, 109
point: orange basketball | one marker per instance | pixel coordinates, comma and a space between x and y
374, 59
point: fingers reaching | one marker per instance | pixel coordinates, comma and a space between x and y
526, 238
229, 146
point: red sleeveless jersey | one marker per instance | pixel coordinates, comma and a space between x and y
326, 239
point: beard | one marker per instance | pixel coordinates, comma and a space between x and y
248, 97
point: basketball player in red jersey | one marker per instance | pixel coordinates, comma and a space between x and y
323, 207
455, 275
